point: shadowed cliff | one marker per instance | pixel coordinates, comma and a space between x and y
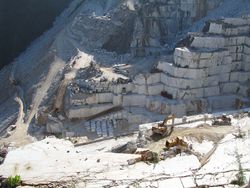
23, 21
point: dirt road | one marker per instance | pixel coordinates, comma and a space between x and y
41, 92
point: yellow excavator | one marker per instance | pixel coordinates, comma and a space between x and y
164, 128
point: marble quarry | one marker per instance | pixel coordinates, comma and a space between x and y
212, 72
128, 90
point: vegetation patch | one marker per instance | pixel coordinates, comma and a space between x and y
240, 178
12, 182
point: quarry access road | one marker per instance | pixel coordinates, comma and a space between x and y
20, 135
19, 116
19, 95
21, 111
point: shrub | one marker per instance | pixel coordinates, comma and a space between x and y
13, 181
240, 178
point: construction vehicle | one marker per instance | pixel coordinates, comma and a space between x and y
175, 146
222, 120
148, 156
164, 128
176, 142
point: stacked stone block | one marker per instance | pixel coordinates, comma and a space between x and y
215, 65
211, 73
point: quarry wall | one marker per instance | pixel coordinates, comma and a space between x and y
159, 21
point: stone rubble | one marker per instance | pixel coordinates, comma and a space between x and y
54, 161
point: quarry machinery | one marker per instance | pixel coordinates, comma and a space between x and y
164, 128
222, 120
176, 142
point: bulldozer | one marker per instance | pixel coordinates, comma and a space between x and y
164, 128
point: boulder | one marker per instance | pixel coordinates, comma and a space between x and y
129, 147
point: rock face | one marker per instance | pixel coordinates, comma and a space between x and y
143, 27
159, 21
23, 21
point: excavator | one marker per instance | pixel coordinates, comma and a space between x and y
164, 128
